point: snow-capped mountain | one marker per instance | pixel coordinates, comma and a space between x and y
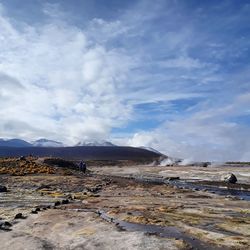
96, 143
47, 143
14, 143
50, 143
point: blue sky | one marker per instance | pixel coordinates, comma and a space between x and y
168, 74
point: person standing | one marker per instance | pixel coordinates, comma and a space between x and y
82, 167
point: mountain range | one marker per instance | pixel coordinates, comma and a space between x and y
95, 150
18, 143
54, 144
50, 143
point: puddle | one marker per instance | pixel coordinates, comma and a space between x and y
240, 194
159, 180
166, 231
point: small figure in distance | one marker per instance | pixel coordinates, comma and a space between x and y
82, 167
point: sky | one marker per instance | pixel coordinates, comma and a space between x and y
173, 75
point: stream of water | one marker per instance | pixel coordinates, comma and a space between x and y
166, 231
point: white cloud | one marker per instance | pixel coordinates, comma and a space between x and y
182, 62
74, 86
58, 83
205, 135
69, 83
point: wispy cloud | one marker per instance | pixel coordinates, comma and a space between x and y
207, 134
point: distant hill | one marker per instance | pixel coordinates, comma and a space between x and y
46, 143
21, 143
82, 152
14, 143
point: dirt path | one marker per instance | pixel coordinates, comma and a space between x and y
58, 229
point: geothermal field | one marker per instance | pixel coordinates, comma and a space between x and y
47, 203
124, 125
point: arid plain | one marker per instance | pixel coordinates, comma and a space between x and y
52, 206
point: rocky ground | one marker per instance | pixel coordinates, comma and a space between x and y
126, 207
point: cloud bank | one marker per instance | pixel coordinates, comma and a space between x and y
56, 82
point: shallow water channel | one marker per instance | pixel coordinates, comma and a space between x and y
196, 186
166, 231
225, 191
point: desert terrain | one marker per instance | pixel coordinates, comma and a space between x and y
49, 204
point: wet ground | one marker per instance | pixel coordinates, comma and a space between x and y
191, 177
129, 207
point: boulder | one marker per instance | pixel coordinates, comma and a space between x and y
57, 203
205, 164
3, 189
5, 225
65, 201
19, 216
230, 178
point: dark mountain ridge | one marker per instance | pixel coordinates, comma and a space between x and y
14, 143
82, 152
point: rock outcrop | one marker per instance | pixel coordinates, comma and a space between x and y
230, 178
3, 189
